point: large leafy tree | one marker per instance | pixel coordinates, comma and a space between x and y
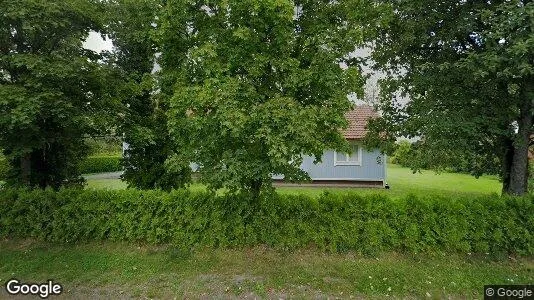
132, 27
256, 84
461, 80
52, 90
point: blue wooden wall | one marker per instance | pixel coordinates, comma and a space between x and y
372, 167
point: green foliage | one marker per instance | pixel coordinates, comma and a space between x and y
467, 68
107, 145
402, 154
255, 85
4, 168
52, 90
367, 224
150, 158
150, 162
414, 156
100, 164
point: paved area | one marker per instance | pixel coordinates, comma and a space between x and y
111, 175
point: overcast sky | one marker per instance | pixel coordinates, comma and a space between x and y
96, 43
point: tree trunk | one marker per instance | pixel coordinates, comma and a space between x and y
255, 189
44, 179
507, 164
26, 168
519, 168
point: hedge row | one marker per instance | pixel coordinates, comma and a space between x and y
100, 164
366, 224
92, 164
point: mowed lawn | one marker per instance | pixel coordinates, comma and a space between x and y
123, 271
401, 180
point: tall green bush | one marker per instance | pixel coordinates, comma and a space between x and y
367, 224
101, 164
402, 154
106, 145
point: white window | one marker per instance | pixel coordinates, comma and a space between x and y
349, 159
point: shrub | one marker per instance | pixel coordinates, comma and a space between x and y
367, 224
100, 164
402, 154
108, 145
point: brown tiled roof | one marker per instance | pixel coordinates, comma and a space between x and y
358, 121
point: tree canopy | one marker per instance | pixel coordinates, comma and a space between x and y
257, 84
460, 78
131, 25
52, 90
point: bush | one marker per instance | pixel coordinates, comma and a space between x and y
367, 224
100, 164
108, 145
402, 154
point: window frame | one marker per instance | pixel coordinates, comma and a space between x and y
347, 162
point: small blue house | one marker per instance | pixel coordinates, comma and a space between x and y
359, 168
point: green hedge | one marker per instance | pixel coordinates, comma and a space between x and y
100, 164
367, 224
92, 164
